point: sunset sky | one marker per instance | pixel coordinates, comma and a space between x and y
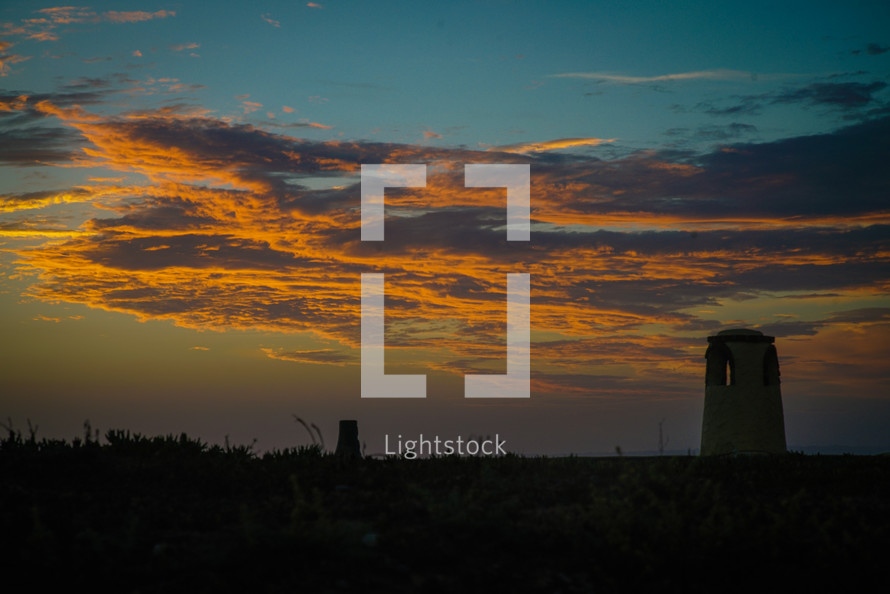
179, 214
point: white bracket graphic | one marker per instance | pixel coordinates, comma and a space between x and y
375, 382
515, 383
516, 179
374, 179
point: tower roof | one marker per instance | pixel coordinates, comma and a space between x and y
741, 335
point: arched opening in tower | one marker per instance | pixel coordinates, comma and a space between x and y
721, 366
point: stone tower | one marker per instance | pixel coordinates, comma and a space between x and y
743, 401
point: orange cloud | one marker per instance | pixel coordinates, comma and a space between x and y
224, 233
135, 16
322, 356
40, 233
69, 14
7, 60
250, 106
46, 27
551, 145
68, 114
184, 46
44, 36
42, 318
12, 203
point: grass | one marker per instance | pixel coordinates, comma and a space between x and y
132, 513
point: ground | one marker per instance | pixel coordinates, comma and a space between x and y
127, 513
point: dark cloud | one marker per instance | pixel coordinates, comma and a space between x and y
101, 82
26, 102
36, 145
785, 329
863, 315
749, 106
190, 251
821, 175
872, 49
839, 96
831, 174
260, 154
791, 328
849, 95
288, 125
732, 131
826, 175
159, 217
28, 137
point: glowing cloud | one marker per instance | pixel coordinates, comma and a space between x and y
550, 145
224, 233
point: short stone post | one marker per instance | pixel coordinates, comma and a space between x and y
347, 442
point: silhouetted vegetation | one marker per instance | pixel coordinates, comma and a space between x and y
171, 513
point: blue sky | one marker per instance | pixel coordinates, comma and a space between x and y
178, 187
480, 73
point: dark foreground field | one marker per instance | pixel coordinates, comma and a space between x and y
167, 514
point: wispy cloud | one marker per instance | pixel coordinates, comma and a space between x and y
45, 26
7, 60
718, 74
270, 20
324, 356
43, 36
73, 14
184, 46
135, 16
251, 106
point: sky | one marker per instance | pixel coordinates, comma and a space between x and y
180, 245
